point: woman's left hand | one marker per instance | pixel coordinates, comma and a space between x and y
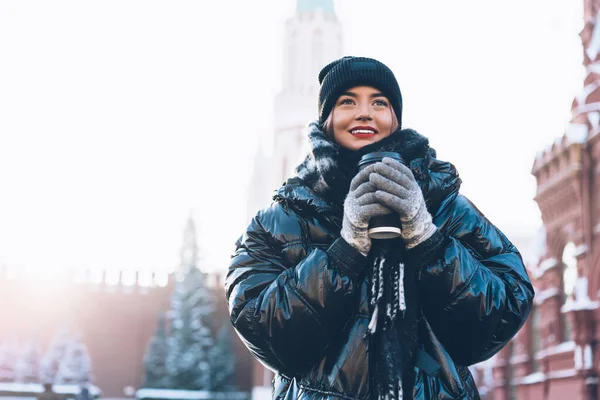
398, 190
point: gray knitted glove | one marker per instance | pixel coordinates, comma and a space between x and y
360, 205
398, 190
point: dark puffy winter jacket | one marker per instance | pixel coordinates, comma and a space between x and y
298, 295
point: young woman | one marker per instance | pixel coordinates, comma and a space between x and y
337, 314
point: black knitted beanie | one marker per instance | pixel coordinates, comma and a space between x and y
347, 72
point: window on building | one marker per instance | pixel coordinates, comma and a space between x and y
535, 339
569, 269
569, 279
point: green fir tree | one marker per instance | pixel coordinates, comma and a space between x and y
54, 355
76, 367
156, 358
222, 360
188, 361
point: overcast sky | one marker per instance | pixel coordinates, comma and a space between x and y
120, 118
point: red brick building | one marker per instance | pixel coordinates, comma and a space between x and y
555, 355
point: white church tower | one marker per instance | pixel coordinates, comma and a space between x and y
313, 38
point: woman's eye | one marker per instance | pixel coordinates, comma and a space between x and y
346, 101
381, 103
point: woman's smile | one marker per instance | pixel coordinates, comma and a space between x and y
363, 131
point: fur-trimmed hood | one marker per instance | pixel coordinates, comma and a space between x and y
323, 178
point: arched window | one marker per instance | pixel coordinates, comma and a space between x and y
569, 279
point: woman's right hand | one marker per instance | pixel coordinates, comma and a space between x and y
360, 205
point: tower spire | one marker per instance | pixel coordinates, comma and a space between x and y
189, 249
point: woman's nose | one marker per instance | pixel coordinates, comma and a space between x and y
364, 112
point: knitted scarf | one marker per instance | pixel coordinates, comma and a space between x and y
328, 170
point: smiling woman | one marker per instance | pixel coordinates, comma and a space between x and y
365, 312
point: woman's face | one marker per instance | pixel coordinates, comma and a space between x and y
361, 116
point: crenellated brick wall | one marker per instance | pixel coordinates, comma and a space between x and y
114, 312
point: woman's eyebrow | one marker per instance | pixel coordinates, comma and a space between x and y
352, 94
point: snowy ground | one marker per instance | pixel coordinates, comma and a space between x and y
168, 394
21, 391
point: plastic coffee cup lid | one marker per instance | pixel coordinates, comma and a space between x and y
378, 156
384, 232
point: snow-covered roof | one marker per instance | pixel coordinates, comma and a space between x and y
580, 250
593, 67
545, 265
565, 373
536, 377
576, 133
563, 347
582, 304
549, 264
582, 96
544, 295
